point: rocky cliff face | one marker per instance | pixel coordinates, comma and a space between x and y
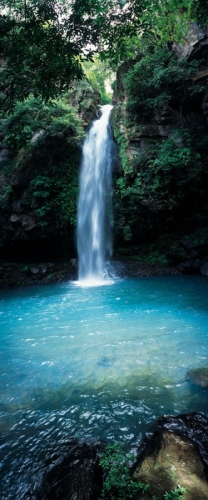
40, 154
33, 195
160, 126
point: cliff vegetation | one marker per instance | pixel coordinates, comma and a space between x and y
56, 58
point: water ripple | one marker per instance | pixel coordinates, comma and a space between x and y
99, 362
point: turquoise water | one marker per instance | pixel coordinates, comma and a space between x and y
95, 362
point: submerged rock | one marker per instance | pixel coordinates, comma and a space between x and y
176, 454
199, 376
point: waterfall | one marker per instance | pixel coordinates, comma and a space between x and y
94, 204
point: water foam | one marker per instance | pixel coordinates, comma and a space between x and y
95, 201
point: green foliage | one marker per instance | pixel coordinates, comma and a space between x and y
167, 20
39, 55
169, 173
55, 197
122, 25
167, 176
33, 117
100, 76
118, 483
171, 165
175, 495
40, 186
42, 44
44, 143
86, 98
5, 196
160, 79
200, 11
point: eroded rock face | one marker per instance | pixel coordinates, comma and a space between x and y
38, 190
73, 472
195, 40
176, 454
87, 102
140, 130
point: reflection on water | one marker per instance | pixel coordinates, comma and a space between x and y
96, 362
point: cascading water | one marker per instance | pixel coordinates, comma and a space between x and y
94, 205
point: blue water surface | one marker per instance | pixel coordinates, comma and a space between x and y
95, 362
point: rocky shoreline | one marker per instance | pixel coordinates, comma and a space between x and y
16, 274
174, 453
13, 274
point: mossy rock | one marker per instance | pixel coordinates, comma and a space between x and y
175, 462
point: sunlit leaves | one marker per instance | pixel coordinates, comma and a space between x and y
42, 41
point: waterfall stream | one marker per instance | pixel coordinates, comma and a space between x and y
94, 205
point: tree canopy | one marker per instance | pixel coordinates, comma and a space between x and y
43, 42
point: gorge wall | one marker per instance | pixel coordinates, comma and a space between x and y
40, 154
160, 126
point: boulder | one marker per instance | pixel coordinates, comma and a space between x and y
73, 472
195, 41
176, 454
15, 218
199, 376
28, 222
34, 270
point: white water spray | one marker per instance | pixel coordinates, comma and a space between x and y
94, 205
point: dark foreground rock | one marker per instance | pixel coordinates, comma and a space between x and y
73, 472
176, 454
